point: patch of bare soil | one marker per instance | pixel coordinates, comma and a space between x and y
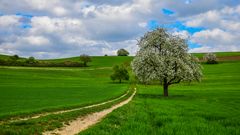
224, 58
228, 58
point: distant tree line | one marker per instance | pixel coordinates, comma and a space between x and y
84, 59
15, 60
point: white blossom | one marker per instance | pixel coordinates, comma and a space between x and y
165, 58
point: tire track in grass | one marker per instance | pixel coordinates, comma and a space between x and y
63, 111
82, 123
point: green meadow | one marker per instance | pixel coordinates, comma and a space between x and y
98, 61
27, 90
209, 107
219, 54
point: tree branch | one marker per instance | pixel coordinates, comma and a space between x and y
178, 81
175, 76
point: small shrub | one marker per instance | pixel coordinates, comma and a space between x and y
210, 58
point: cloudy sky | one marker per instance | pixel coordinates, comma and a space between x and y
64, 28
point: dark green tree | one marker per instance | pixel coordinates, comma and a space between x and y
14, 57
85, 59
122, 52
31, 60
119, 73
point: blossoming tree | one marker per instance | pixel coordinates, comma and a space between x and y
163, 57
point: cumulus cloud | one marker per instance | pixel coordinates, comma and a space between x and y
216, 40
36, 40
8, 21
182, 34
56, 28
227, 17
222, 31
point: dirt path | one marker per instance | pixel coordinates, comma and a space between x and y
85, 122
64, 111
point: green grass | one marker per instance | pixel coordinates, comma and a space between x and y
30, 90
99, 61
51, 122
4, 56
218, 54
109, 61
211, 107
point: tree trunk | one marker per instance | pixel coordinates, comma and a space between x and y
120, 81
165, 88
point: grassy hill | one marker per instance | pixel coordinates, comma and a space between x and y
219, 54
26, 90
209, 107
109, 61
99, 61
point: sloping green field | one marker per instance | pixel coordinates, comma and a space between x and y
218, 54
207, 108
25, 90
109, 61
99, 61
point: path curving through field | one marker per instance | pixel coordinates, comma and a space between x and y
85, 122
63, 111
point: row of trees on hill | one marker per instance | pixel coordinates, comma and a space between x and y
15, 60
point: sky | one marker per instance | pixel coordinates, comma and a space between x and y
64, 28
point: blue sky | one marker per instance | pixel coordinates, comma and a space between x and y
167, 11
52, 29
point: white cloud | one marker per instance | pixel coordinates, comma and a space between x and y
36, 40
216, 40
8, 20
183, 34
222, 18
215, 35
70, 28
222, 30
142, 24
201, 50
59, 11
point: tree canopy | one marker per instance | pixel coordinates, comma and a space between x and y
165, 58
119, 73
14, 57
122, 52
85, 59
31, 60
210, 58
